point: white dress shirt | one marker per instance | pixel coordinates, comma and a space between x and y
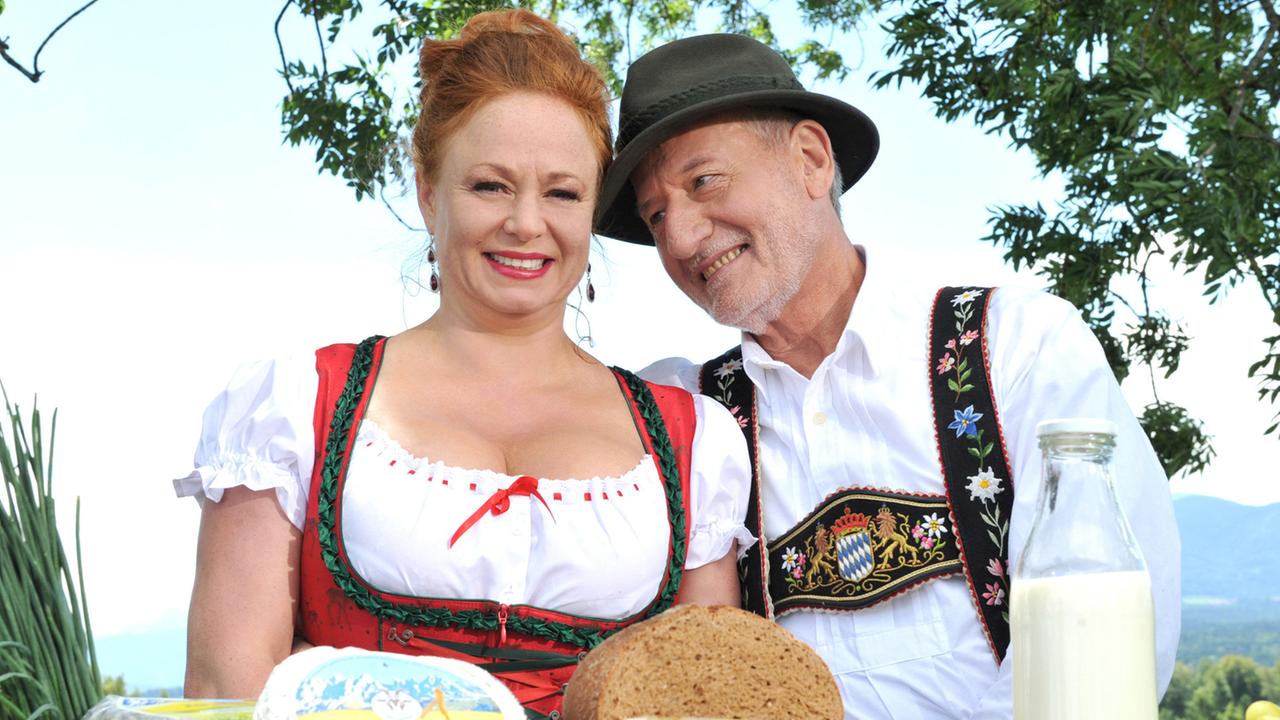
865, 418
598, 548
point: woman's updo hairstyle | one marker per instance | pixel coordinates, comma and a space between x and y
496, 53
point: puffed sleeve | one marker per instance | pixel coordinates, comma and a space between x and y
718, 487
258, 433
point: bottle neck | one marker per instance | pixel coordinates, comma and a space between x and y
1079, 525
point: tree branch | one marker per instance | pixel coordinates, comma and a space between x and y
1270, 11
382, 193
1273, 24
4, 47
34, 73
324, 60
284, 64
35, 61
1263, 138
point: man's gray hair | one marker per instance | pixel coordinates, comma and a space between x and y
773, 125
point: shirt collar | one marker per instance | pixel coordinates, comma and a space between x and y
864, 327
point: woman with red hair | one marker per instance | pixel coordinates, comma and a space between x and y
477, 486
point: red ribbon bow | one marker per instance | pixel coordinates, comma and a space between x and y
499, 502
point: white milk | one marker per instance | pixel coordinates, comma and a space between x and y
1084, 647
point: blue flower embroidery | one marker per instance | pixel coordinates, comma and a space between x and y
965, 422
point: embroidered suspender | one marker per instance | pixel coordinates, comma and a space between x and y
974, 460
734, 390
861, 546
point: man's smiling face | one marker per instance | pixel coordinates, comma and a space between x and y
724, 205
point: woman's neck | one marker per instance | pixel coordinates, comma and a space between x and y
507, 350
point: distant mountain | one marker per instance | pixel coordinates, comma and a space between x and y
1228, 550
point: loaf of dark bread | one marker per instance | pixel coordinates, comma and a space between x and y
706, 662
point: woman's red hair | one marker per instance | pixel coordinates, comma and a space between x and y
496, 53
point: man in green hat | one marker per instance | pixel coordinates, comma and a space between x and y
888, 428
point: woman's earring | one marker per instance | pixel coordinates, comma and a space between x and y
431, 260
591, 289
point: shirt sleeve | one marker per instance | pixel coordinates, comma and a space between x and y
675, 371
718, 486
1045, 364
257, 433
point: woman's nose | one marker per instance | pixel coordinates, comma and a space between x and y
525, 220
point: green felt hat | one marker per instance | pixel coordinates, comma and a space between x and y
687, 80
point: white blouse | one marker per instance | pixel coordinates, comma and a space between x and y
597, 548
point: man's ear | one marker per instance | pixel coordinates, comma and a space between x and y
426, 201
817, 161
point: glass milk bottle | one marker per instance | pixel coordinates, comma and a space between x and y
1081, 613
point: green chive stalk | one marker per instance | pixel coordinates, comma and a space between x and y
48, 666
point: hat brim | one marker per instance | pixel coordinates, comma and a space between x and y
854, 141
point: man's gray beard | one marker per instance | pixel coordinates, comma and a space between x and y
757, 319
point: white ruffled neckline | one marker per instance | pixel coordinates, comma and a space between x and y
374, 437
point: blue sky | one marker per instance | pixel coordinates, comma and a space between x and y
155, 232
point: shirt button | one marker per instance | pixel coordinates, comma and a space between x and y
819, 418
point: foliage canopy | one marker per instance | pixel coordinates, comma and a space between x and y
1159, 115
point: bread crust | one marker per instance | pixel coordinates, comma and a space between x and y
695, 661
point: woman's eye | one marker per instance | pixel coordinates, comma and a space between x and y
564, 195
701, 180
656, 218
487, 186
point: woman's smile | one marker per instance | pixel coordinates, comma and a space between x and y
522, 266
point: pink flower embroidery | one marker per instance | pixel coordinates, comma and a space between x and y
994, 594
917, 532
968, 337
951, 344
946, 363
927, 543
795, 572
995, 568
742, 422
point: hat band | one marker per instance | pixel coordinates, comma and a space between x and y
700, 93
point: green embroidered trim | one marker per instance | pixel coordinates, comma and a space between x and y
657, 431
335, 465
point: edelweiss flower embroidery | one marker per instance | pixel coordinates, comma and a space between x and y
934, 525
965, 422
790, 558
984, 486
729, 368
967, 296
